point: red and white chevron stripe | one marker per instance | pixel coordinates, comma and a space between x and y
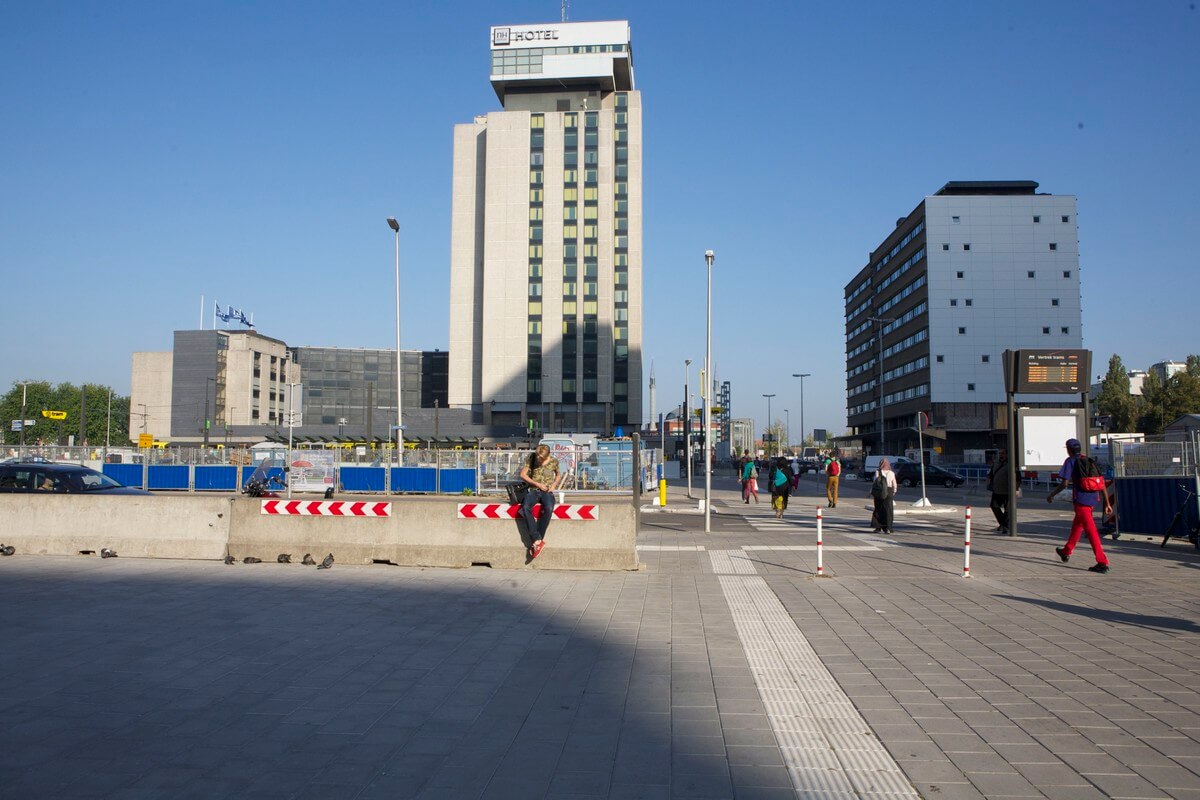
325, 508
506, 511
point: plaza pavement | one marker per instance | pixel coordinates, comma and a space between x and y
724, 669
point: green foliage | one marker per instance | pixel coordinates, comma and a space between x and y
1163, 403
41, 396
1114, 399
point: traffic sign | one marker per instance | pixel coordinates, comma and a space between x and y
54, 414
145, 440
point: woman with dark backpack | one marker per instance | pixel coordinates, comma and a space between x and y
781, 486
883, 490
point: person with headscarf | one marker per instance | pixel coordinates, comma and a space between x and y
781, 486
883, 492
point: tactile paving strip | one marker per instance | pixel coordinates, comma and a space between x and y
731, 562
827, 746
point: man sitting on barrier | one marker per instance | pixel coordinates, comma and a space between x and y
542, 475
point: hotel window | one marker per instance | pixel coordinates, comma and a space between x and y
953, 302
970, 387
962, 331
1054, 301
1054, 245
1031, 274
969, 301
958, 274
966, 247
945, 246
570, 195
940, 359
569, 212
568, 288
1046, 330
570, 176
1065, 329
1037, 218
1066, 218
956, 220
535, 213
1066, 273
535, 158
985, 359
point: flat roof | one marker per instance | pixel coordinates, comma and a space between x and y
988, 187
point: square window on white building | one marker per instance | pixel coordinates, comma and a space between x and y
1031, 274
970, 387
956, 219
962, 331
985, 359
969, 301
945, 246
1037, 218
940, 359
1066, 273
953, 302
966, 247
1066, 218
1054, 301
1046, 330
1054, 245
958, 274
1065, 329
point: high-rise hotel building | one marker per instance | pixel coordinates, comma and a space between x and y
546, 236
977, 268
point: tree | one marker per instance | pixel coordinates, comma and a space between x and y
41, 396
1152, 409
1115, 400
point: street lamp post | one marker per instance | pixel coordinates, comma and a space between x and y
287, 470
708, 260
107, 426
687, 426
787, 429
879, 323
395, 226
803, 435
770, 439
21, 445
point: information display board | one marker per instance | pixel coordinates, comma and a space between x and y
312, 470
1047, 371
1043, 434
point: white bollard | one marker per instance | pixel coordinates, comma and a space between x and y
820, 566
967, 546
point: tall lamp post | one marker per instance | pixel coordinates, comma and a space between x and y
395, 226
879, 323
21, 446
803, 435
687, 425
769, 396
787, 429
708, 260
287, 470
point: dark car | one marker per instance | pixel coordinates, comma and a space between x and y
31, 476
909, 474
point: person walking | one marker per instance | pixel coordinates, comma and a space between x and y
781, 486
997, 483
1085, 505
749, 478
883, 492
833, 473
796, 472
542, 474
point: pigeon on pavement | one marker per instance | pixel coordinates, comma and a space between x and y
251, 560
7, 549
230, 560
106, 553
327, 563
308, 560
284, 558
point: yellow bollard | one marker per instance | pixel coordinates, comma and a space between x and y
662, 492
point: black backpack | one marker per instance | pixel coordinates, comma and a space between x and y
880, 488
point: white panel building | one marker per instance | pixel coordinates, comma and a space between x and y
977, 268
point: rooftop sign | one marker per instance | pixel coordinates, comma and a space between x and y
559, 34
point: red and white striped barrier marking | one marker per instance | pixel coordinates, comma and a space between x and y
967, 546
507, 511
325, 508
820, 565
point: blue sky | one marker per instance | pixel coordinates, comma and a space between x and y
250, 152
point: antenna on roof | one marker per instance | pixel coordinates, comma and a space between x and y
564, 10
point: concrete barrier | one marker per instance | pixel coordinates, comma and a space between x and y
421, 531
183, 526
426, 532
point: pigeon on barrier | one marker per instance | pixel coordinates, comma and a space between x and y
251, 560
327, 563
284, 558
329, 493
308, 560
230, 560
7, 549
106, 553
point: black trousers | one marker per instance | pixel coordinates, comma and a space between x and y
1000, 509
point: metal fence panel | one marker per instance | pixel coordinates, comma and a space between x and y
168, 476
125, 474
215, 478
362, 479
1146, 459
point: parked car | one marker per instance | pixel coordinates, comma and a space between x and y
909, 474
41, 476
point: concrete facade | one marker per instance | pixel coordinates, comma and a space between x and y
150, 395
546, 242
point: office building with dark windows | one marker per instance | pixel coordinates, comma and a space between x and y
978, 268
546, 235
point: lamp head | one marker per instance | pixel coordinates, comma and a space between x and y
393, 224
708, 256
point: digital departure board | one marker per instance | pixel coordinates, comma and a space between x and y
1050, 371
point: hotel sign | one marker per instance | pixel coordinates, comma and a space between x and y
565, 34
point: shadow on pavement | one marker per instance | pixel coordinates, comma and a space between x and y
1110, 615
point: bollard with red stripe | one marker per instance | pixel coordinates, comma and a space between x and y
820, 565
967, 546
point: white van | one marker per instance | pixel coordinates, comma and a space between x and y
871, 463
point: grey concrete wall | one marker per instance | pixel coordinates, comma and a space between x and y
186, 526
426, 531
422, 531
